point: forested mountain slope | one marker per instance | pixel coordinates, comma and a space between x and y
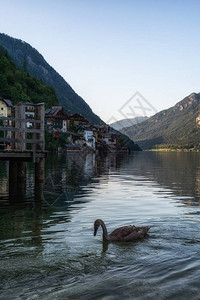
178, 125
19, 86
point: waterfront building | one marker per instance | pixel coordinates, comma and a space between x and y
56, 118
78, 119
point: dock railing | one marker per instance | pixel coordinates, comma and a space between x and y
22, 132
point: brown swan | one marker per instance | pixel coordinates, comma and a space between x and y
121, 234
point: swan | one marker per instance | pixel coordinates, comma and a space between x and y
121, 234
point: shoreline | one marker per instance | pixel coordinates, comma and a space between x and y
173, 150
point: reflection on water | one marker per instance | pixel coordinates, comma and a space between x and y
178, 171
46, 242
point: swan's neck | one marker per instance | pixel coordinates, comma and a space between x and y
105, 232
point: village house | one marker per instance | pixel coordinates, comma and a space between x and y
78, 119
90, 138
102, 128
106, 137
109, 139
103, 134
56, 118
88, 133
5, 108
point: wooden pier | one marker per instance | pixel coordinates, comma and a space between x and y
23, 141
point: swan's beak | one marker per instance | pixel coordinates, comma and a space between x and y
95, 230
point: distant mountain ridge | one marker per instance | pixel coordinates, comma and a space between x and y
29, 59
178, 125
118, 125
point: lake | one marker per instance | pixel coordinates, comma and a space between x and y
47, 246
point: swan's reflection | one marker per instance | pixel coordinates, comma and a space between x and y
104, 246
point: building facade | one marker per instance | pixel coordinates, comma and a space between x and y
55, 118
5, 108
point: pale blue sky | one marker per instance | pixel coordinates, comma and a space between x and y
107, 50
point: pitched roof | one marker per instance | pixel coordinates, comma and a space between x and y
52, 112
79, 116
7, 101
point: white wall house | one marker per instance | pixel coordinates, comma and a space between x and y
109, 139
89, 138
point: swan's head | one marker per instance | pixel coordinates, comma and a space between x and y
97, 223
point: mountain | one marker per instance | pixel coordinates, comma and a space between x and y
178, 126
118, 125
29, 59
20, 86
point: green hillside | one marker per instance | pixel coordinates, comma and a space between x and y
178, 126
25, 56
19, 86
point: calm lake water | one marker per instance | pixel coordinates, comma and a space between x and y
47, 246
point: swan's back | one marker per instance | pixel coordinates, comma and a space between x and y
128, 233
122, 231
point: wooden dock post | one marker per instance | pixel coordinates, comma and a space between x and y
12, 176
39, 171
17, 180
39, 115
39, 178
21, 170
39, 165
20, 135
